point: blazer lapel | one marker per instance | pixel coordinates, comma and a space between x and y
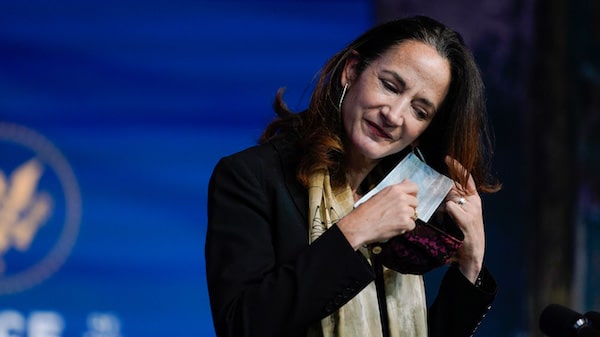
289, 157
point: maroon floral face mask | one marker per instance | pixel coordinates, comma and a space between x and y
428, 246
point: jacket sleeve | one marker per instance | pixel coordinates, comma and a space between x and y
460, 306
252, 290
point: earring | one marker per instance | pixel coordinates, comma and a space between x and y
342, 97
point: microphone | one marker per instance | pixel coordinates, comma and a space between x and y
559, 321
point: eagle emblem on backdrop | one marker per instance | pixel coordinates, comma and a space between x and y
40, 208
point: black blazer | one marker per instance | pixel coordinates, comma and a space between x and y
264, 279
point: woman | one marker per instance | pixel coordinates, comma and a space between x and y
285, 248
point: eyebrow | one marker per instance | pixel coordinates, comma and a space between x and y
402, 82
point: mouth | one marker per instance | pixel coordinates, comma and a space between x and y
378, 131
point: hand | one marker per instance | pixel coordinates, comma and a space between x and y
469, 217
387, 214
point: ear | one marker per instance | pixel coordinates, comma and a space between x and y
349, 73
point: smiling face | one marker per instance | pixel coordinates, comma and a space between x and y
391, 103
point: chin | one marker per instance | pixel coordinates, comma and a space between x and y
376, 154
372, 150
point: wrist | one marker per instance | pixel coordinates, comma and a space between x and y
350, 234
471, 272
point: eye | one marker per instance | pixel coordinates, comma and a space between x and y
389, 86
421, 114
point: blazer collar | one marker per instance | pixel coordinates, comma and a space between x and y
289, 155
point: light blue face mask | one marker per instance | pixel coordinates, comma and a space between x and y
428, 245
433, 186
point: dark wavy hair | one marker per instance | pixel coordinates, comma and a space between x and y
459, 128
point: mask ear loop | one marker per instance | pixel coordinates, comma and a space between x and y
418, 154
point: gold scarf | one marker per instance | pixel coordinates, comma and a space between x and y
405, 294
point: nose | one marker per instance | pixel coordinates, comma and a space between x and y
393, 115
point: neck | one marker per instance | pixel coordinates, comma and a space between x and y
358, 169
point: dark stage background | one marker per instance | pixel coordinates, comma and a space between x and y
114, 113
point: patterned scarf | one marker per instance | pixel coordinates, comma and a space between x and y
405, 294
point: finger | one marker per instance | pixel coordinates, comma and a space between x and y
455, 210
412, 201
415, 215
455, 194
398, 194
471, 187
409, 187
408, 200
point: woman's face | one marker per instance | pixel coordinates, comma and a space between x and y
389, 105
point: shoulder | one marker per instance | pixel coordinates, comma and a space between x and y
274, 150
278, 154
262, 175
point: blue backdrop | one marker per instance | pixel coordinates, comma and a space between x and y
112, 117
118, 111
